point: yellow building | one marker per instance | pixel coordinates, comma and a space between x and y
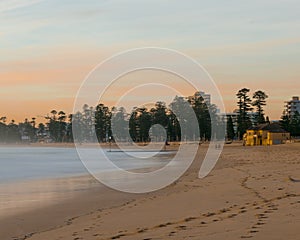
266, 134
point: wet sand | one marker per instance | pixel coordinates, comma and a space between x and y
247, 196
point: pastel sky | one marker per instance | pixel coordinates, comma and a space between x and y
47, 47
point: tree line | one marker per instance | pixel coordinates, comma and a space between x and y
111, 123
102, 120
251, 112
291, 123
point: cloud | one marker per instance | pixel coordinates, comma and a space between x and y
7, 5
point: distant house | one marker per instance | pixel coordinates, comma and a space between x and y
266, 134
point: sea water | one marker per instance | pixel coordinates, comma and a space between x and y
27, 163
33, 177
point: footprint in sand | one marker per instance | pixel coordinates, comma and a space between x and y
118, 236
260, 223
268, 211
224, 210
209, 214
182, 227
189, 219
164, 225
142, 230
262, 216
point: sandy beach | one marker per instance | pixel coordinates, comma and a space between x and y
248, 195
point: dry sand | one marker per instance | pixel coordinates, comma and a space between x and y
247, 196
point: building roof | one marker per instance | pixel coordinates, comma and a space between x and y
271, 127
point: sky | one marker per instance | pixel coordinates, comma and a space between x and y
48, 47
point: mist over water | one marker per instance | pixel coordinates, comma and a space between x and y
34, 177
27, 163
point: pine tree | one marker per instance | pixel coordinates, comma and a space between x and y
244, 105
259, 102
230, 128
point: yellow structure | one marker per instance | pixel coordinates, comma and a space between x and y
265, 134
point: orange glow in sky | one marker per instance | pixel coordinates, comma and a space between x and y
46, 52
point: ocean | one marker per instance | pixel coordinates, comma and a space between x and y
28, 163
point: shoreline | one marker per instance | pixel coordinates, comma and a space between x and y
173, 145
248, 194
